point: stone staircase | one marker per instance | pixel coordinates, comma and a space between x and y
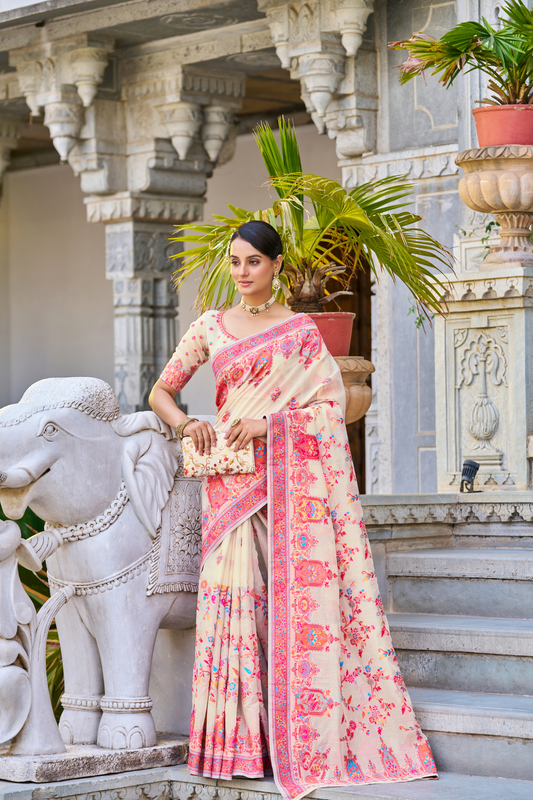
457, 581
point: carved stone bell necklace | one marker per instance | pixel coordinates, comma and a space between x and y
254, 310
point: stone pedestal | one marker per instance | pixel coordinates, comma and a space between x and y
484, 345
88, 761
484, 379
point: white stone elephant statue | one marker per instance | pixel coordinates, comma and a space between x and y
122, 536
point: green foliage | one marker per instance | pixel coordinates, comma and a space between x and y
504, 54
36, 585
327, 233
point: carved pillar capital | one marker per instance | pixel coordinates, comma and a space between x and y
318, 41
62, 78
192, 106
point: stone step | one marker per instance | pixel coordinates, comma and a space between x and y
177, 782
449, 786
478, 733
495, 582
464, 653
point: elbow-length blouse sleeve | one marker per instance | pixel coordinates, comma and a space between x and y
190, 354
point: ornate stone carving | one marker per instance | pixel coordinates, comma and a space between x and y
88, 66
482, 357
86, 702
98, 587
499, 180
351, 17
73, 533
137, 207
182, 122
62, 78
483, 376
125, 705
419, 164
454, 512
313, 39
176, 552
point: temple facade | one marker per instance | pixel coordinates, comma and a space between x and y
122, 120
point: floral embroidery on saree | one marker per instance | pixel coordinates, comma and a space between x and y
319, 687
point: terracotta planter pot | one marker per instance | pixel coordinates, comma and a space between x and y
498, 125
336, 329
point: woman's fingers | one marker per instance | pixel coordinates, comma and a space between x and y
241, 440
212, 434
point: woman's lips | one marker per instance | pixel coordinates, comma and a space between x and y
245, 283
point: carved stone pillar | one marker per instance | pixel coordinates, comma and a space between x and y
161, 142
145, 304
484, 369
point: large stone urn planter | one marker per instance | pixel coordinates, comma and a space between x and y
499, 180
355, 370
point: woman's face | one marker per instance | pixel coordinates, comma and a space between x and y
251, 270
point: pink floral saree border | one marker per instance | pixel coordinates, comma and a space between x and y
227, 354
279, 608
238, 511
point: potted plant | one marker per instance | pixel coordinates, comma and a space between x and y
327, 233
505, 55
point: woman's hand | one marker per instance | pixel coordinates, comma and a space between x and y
203, 435
245, 431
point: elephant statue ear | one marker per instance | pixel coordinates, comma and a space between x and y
149, 465
142, 421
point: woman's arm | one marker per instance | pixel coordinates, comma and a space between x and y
189, 355
162, 402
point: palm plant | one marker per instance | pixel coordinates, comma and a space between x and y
505, 55
327, 233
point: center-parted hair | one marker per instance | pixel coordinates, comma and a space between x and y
262, 236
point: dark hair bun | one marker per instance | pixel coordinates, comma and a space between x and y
262, 236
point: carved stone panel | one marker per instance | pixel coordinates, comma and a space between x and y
484, 380
481, 356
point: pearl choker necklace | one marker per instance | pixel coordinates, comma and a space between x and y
254, 310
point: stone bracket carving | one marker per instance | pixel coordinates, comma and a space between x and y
62, 78
318, 40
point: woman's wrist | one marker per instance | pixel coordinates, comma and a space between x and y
180, 427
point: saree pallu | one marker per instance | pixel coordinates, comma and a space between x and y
293, 653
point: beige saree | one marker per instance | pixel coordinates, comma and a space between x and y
294, 667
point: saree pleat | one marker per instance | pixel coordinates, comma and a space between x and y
229, 723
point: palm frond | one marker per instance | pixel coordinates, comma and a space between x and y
504, 54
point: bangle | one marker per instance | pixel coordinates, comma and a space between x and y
181, 425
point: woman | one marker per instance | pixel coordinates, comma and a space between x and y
294, 665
